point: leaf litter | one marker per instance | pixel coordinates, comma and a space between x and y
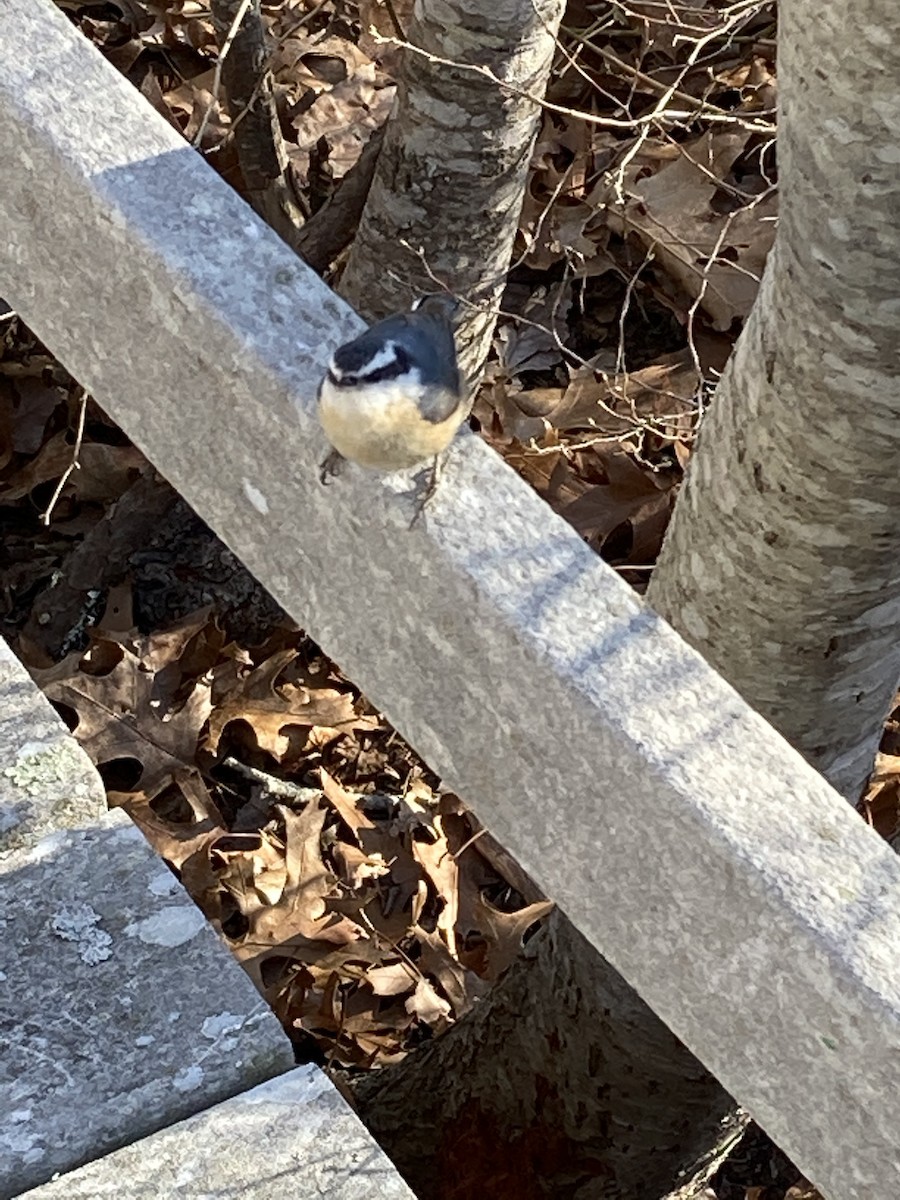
363, 914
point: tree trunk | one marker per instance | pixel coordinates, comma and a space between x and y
782, 563
452, 170
560, 1085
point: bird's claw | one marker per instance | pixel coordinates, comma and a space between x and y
430, 489
330, 467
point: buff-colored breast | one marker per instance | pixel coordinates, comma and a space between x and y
382, 428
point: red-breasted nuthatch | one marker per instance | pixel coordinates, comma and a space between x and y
394, 397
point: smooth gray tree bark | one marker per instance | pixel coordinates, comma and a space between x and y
448, 188
782, 563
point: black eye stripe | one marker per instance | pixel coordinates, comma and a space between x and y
355, 373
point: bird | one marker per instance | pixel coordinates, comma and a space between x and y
395, 397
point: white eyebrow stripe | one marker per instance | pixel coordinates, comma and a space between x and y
384, 358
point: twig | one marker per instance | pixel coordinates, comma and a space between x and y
640, 425
395, 946
623, 311
479, 833
742, 9
74, 465
699, 45
708, 265
638, 123
531, 240
281, 789
217, 74
395, 20
698, 107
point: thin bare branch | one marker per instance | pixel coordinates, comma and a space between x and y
74, 465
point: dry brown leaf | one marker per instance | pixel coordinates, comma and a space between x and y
533, 342
308, 880
52, 460
427, 1005
671, 211
558, 220
441, 870
119, 715
270, 707
105, 472
356, 867
639, 496
165, 649
551, 476
346, 805
352, 98
881, 803
664, 392
395, 979
308, 883
178, 842
504, 932
36, 402
755, 81
461, 986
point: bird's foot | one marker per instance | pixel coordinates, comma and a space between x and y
330, 467
431, 487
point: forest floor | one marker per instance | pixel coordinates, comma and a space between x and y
210, 715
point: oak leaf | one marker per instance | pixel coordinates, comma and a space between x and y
119, 714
